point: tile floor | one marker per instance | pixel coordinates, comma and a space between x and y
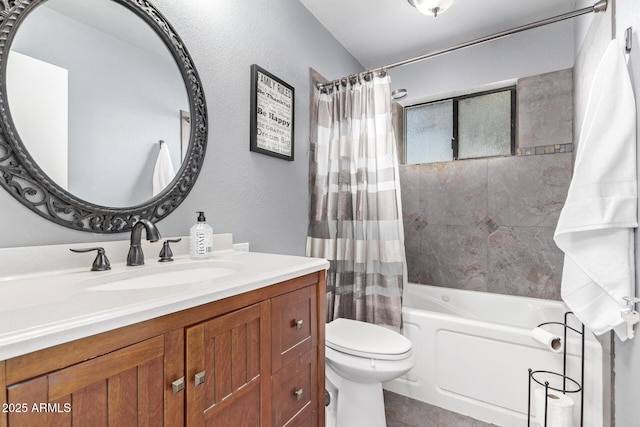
402, 411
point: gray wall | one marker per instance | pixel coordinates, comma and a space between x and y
487, 224
530, 53
261, 199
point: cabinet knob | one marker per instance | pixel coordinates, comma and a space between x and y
298, 323
177, 385
298, 394
200, 378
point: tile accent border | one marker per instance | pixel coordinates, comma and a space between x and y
545, 149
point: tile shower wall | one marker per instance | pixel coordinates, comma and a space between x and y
487, 224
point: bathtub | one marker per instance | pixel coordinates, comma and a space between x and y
474, 350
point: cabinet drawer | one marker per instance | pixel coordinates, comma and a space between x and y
310, 421
294, 326
294, 392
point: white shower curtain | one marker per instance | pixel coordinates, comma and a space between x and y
355, 216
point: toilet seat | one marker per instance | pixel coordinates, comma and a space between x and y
366, 340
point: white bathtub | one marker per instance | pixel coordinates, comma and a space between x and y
474, 350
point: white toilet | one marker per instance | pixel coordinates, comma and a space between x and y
359, 358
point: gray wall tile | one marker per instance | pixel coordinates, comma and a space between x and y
412, 242
545, 109
524, 261
454, 193
487, 224
410, 190
528, 190
453, 256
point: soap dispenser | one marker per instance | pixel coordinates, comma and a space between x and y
201, 238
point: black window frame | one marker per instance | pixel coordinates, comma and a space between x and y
455, 100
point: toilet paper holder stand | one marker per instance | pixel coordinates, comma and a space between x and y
569, 385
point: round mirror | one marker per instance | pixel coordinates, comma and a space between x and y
103, 116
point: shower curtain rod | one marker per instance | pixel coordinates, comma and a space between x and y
600, 6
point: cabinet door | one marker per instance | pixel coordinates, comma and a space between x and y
227, 369
122, 388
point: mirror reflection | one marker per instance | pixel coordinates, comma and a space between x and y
92, 91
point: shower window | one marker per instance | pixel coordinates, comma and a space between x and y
464, 127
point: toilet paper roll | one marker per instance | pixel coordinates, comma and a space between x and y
547, 339
559, 409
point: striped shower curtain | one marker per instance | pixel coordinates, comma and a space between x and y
355, 215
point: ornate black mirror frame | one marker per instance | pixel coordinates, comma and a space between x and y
25, 180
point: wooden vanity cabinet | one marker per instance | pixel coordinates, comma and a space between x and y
255, 359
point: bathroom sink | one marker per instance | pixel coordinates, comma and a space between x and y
163, 278
85, 287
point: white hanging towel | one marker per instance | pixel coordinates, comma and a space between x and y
163, 173
595, 228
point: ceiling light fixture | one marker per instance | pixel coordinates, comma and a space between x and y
431, 7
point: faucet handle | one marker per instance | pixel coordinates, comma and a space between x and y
101, 263
166, 253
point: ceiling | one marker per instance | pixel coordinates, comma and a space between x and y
381, 32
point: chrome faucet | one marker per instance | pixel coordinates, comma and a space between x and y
136, 257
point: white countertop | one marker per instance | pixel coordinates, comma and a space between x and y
49, 308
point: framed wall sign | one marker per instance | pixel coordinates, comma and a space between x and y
271, 114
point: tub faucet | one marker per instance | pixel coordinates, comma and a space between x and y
136, 257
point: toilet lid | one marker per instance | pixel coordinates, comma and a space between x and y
366, 340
